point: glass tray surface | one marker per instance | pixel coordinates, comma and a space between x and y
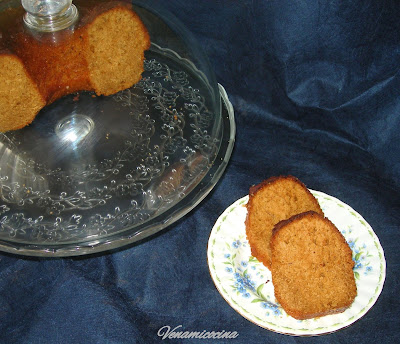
96, 173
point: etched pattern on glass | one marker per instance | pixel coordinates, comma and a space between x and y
168, 151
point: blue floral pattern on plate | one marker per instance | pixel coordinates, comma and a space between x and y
247, 285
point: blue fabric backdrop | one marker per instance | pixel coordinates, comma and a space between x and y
315, 86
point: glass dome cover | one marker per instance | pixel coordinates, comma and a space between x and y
95, 173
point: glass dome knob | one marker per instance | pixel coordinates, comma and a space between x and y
49, 15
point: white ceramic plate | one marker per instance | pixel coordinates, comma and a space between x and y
246, 284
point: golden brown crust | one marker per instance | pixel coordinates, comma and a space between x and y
57, 69
312, 267
271, 201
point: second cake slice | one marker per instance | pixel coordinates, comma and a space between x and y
312, 267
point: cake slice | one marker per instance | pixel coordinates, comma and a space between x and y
274, 200
312, 267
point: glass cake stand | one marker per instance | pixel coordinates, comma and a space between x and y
95, 173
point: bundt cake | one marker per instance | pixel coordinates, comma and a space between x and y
104, 53
312, 267
270, 202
